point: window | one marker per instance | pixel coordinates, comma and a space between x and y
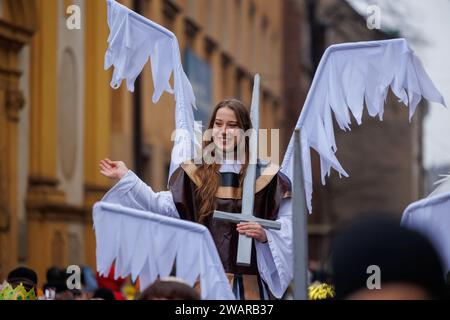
224, 10
238, 91
199, 73
192, 8
253, 34
210, 5
239, 30
170, 12
225, 74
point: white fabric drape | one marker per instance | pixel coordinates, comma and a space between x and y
348, 76
431, 217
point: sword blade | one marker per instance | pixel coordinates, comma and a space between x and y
248, 194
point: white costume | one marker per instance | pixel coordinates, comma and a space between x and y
348, 76
134, 40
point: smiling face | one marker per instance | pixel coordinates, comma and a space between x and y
226, 130
225, 137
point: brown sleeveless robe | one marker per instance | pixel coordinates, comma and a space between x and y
271, 188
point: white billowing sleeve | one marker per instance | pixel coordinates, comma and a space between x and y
133, 193
275, 257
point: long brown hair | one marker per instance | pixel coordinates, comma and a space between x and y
209, 173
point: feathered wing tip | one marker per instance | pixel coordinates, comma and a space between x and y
212, 274
133, 40
350, 76
146, 245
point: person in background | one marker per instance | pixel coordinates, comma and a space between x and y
104, 294
170, 288
89, 280
375, 258
21, 284
215, 182
23, 275
55, 282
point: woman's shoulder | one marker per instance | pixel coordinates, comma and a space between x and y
186, 169
267, 173
271, 177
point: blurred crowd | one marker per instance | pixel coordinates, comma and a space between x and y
22, 284
373, 258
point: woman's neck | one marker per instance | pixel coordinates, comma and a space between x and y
231, 161
229, 158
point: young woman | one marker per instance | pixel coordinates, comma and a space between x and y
196, 189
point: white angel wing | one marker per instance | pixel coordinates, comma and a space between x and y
133, 40
442, 186
147, 245
348, 75
431, 217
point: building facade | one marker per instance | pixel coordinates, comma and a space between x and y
55, 108
59, 117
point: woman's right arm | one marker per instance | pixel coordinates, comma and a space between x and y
132, 192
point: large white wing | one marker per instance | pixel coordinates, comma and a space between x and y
348, 76
133, 40
148, 245
431, 217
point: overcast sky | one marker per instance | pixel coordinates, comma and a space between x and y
426, 26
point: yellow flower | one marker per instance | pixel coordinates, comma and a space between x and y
320, 291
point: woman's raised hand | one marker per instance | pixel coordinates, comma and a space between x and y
113, 169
